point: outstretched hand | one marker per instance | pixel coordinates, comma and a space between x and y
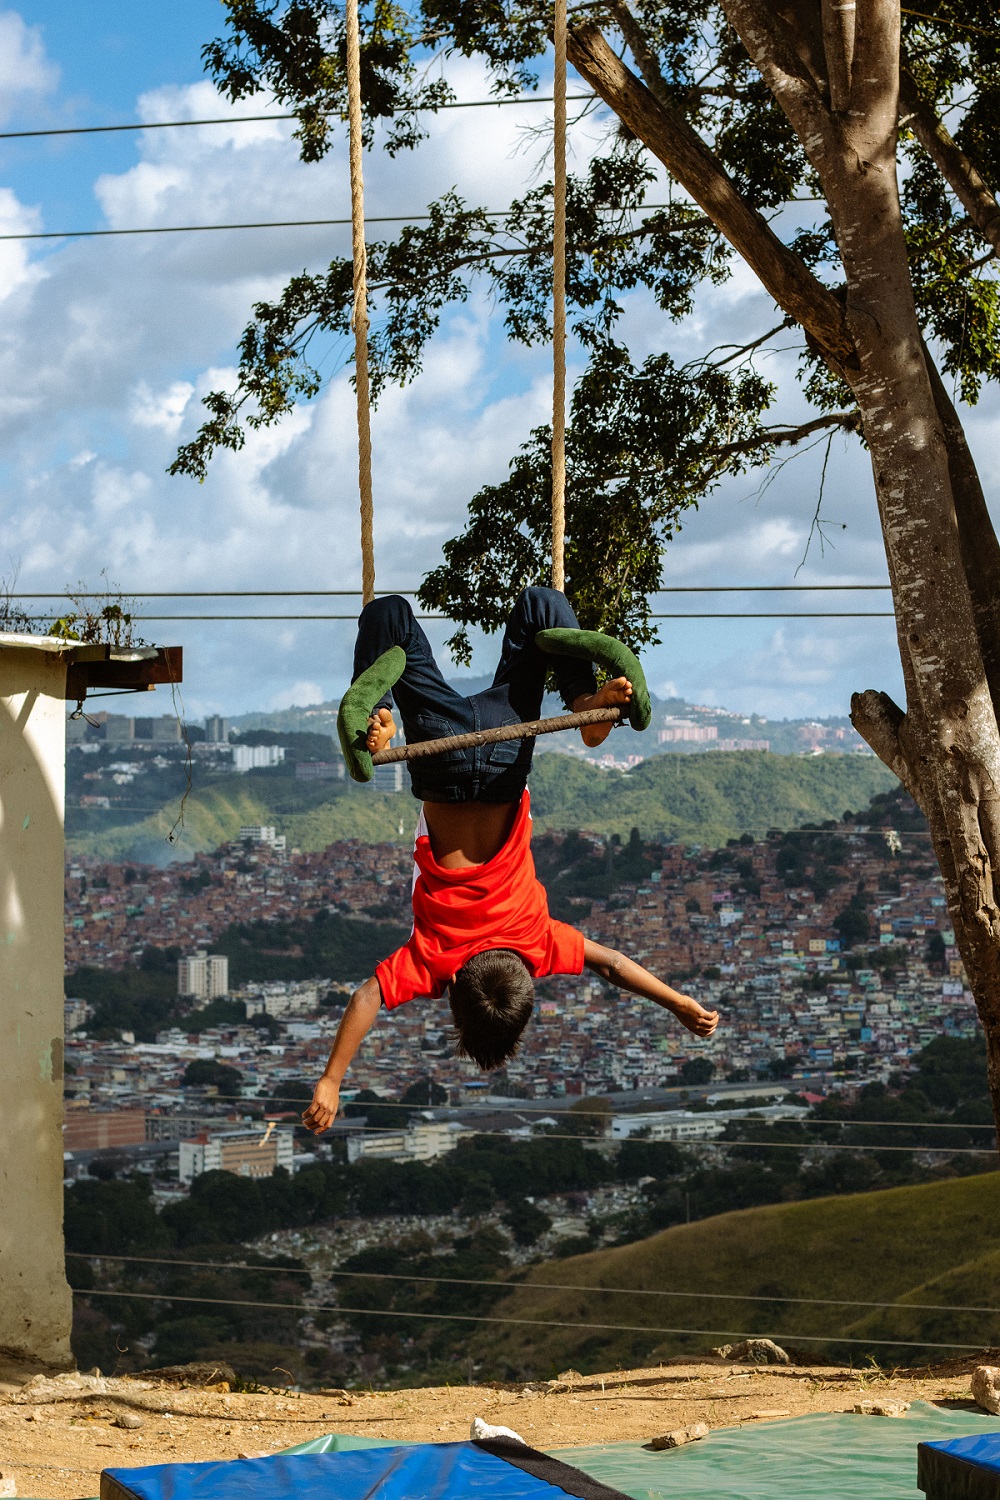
323, 1110
694, 1016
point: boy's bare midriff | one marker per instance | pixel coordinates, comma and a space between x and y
468, 833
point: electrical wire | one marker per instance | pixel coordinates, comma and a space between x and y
92, 234
654, 615
717, 1142
23, 135
97, 234
375, 1132
700, 588
536, 1286
529, 1108
375, 1312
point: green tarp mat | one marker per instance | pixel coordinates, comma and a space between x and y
823, 1457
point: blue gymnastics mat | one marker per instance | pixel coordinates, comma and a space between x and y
965, 1468
487, 1469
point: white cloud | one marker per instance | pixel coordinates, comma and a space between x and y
108, 347
24, 68
299, 695
164, 409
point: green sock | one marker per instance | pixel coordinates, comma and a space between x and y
356, 709
610, 654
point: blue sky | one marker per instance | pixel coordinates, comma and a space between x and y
106, 54
107, 346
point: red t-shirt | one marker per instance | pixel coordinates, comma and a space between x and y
459, 913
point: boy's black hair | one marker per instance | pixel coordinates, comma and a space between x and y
491, 1000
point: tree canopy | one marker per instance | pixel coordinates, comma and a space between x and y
647, 438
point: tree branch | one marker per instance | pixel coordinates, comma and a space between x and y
950, 160
882, 724
849, 421
685, 155
645, 58
543, 249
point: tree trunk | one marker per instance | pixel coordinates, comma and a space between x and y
940, 563
941, 550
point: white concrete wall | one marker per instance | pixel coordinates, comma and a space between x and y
35, 1302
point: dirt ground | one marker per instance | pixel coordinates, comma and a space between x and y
56, 1435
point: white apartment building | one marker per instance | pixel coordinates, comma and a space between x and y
420, 1142
76, 1011
391, 778
676, 730
247, 1153
262, 833
257, 757
696, 1125
203, 975
296, 998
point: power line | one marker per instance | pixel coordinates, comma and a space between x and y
374, 1312
529, 1108
854, 614
711, 1144
23, 135
533, 1286
654, 615
84, 234
706, 588
375, 1132
91, 234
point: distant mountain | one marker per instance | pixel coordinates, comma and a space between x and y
703, 799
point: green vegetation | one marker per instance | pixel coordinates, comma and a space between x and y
139, 998
705, 799
330, 945
911, 1226
142, 998
208, 1073
885, 1246
311, 814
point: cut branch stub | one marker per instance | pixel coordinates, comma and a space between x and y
881, 723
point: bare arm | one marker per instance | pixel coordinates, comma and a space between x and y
355, 1024
629, 975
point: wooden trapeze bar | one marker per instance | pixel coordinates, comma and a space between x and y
528, 731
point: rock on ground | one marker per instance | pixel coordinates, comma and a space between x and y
754, 1352
986, 1388
679, 1437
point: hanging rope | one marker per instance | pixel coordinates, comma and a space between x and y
559, 302
359, 318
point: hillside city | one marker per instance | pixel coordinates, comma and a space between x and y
828, 952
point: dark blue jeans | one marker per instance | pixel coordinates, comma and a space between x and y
430, 708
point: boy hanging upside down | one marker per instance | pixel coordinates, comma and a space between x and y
481, 925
